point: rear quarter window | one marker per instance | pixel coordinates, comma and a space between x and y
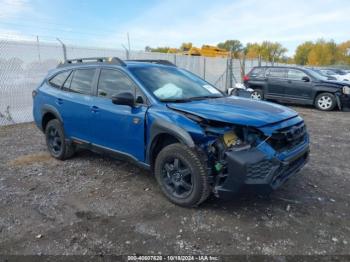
257, 72
58, 80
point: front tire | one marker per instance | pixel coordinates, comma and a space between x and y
257, 94
56, 142
325, 102
181, 175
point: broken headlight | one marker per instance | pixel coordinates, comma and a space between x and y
231, 139
346, 90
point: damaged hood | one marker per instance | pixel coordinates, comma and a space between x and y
236, 110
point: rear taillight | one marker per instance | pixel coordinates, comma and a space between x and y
34, 93
246, 78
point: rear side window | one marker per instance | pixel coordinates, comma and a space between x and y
58, 80
294, 74
257, 72
82, 81
113, 82
276, 72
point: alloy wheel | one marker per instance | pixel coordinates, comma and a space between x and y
325, 102
177, 178
54, 140
256, 95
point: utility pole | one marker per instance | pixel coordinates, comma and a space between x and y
64, 49
38, 46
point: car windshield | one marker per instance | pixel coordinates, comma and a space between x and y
316, 74
338, 71
171, 84
329, 72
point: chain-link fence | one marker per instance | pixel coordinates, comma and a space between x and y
24, 64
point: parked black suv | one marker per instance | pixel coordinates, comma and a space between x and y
299, 86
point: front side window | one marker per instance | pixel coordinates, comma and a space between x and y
173, 84
82, 81
113, 82
58, 80
294, 74
277, 73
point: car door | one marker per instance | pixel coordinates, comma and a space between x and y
298, 87
75, 103
118, 127
276, 82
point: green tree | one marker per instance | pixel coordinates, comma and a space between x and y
253, 50
323, 53
268, 51
302, 53
234, 46
272, 51
343, 53
161, 49
186, 46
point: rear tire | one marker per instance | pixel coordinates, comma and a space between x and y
257, 94
182, 176
56, 142
325, 102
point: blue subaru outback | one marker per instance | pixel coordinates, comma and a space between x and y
194, 138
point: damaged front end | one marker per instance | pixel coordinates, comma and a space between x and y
239, 155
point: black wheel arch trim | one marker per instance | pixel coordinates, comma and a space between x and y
50, 109
159, 127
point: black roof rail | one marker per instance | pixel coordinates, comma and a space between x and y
93, 60
153, 61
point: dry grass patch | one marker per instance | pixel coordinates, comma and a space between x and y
31, 159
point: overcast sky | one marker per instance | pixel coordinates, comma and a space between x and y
169, 23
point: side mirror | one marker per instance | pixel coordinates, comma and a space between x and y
306, 79
125, 98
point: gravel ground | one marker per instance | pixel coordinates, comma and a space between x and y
92, 204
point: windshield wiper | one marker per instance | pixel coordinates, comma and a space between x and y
176, 100
184, 100
203, 97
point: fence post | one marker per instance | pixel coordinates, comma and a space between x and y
38, 46
175, 59
227, 77
259, 60
228, 74
231, 71
64, 49
204, 67
127, 53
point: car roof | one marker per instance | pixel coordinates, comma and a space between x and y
293, 67
117, 64
144, 64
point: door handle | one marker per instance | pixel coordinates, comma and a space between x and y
59, 101
94, 109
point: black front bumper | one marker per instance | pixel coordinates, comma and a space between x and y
251, 167
344, 101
